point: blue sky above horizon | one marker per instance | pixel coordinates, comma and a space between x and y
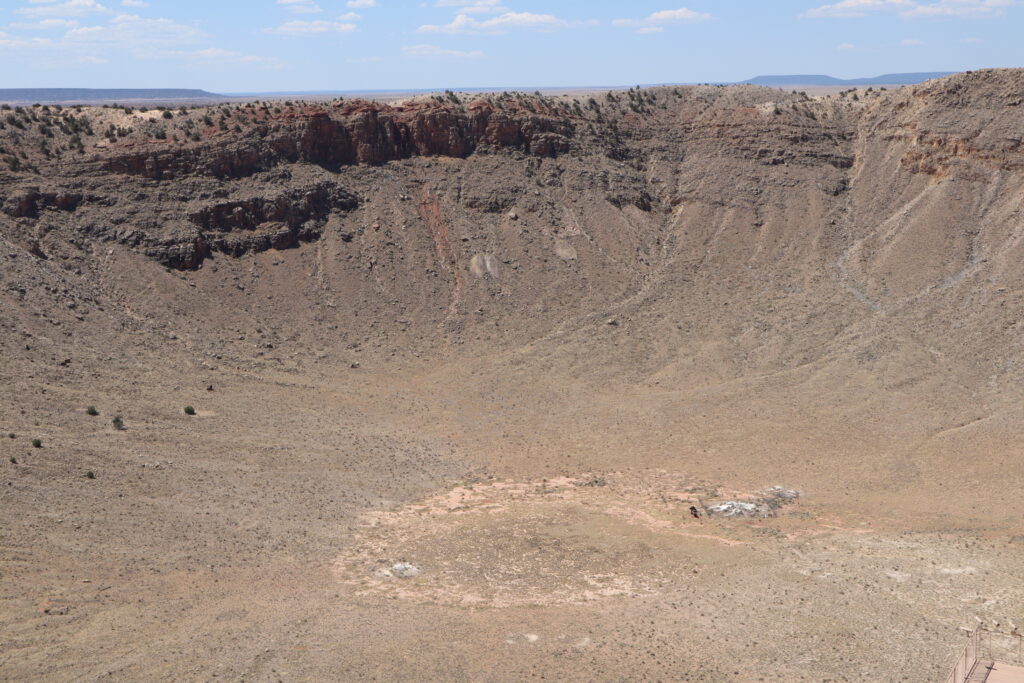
304, 45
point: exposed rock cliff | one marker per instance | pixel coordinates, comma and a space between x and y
350, 134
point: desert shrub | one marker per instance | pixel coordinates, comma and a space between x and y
167, 115
37, 443
189, 410
11, 435
91, 410
14, 461
118, 423
90, 475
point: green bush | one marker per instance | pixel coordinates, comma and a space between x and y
91, 410
90, 475
189, 410
118, 423
37, 443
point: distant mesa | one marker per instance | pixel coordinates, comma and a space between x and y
101, 96
789, 81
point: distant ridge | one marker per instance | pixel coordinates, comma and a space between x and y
90, 95
24, 96
822, 80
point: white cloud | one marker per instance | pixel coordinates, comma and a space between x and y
474, 6
210, 57
70, 8
301, 6
133, 31
677, 15
656, 22
503, 23
219, 56
911, 42
48, 24
361, 4
435, 52
125, 35
215, 53
9, 42
910, 9
857, 8
134, 3
961, 8
317, 27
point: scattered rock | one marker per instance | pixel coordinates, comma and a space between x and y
484, 265
400, 570
739, 508
781, 494
405, 570
565, 251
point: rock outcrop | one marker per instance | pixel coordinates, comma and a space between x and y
28, 202
353, 134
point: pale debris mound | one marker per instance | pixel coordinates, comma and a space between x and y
565, 540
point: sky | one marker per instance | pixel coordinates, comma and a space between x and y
231, 46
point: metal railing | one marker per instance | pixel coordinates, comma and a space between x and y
967, 660
985, 645
998, 646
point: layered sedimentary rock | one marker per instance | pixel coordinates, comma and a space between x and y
351, 134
